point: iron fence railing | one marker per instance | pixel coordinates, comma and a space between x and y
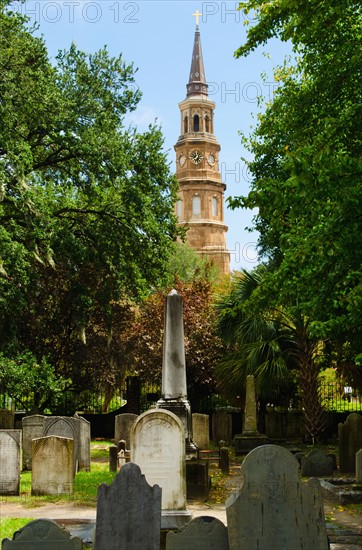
340, 398
69, 402
333, 398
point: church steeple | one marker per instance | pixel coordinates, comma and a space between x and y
200, 206
197, 84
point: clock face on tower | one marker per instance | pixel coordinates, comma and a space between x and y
196, 157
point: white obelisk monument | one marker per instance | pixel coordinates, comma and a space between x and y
174, 387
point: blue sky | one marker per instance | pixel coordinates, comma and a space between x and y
157, 36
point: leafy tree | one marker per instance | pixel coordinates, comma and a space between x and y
273, 345
185, 264
203, 348
86, 203
31, 384
306, 170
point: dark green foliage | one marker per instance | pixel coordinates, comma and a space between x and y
307, 168
86, 204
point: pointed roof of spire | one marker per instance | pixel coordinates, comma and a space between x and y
197, 82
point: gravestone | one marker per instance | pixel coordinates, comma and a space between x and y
113, 458
316, 464
42, 534
33, 427
158, 447
274, 509
349, 442
202, 533
197, 479
250, 438
200, 430
122, 427
224, 460
174, 387
64, 426
359, 467
84, 456
221, 427
53, 459
6, 419
10, 444
128, 512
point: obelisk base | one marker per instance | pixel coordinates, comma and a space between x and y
181, 408
247, 441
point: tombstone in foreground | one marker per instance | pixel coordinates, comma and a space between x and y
316, 464
64, 426
7, 419
128, 512
250, 438
33, 427
349, 442
274, 509
122, 427
10, 444
359, 467
221, 427
52, 466
158, 447
84, 454
200, 430
202, 533
42, 534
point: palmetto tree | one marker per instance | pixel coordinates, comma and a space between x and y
271, 344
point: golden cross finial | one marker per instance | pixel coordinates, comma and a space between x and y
197, 15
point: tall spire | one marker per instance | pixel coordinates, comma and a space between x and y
197, 82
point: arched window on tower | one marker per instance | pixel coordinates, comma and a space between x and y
196, 206
207, 124
196, 123
179, 208
214, 206
186, 124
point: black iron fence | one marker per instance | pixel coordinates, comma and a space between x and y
340, 398
333, 398
70, 402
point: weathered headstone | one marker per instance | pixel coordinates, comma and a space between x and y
274, 509
349, 442
221, 427
197, 479
128, 512
316, 464
113, 458
33, 427
6, 419
158, 447
224, 460
202, 533
84, 455
64, 426
200, 430
42, 534
359, 467
10, 445
250, 438
174, 387
122, 427
53, 459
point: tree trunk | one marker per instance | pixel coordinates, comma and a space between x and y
313, 411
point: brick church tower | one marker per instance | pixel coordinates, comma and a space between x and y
200, 206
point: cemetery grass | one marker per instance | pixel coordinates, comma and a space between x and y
85, 483
8, 526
